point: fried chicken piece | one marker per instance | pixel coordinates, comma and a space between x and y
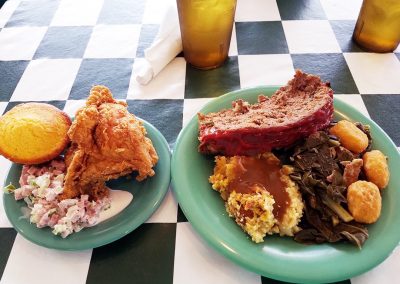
107, 142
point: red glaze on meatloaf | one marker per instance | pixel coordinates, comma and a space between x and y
303, 106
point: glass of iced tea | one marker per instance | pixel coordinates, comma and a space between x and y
378, 25
206, 28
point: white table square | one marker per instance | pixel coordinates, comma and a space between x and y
257, 10
47, 79
197, 261
168, 84
3, 106
268, 69
355, 101
154, 11
72, 106
77, 13
7, 10
233, 51
375, 73
113, 41
20, 43
191, 107
310, 37
341, 9
167, 212
386, 272
61, 266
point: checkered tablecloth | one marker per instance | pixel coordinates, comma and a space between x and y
54, 51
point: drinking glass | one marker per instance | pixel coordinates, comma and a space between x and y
206, 29
378, 25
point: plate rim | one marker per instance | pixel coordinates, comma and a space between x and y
231, 255
131, 226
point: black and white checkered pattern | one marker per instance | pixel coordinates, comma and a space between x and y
55, 50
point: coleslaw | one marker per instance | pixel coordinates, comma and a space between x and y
40, 187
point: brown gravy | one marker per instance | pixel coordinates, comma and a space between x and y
264, 173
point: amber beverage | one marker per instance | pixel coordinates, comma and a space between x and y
378, 25
206, 28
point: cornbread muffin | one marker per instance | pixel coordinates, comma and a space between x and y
364, 201
259, 194
33, 133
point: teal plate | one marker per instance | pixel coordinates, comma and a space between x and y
147, 196
280, 258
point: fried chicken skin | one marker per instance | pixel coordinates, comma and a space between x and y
107, 142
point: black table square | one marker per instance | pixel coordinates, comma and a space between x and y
33, 13
7, 237
57, 104
330, 67
11, 72
165, 115
265, 280
344, 31
121, 12
113, 73
384, 110
144, 256
64, 42
260, 38
301, 10
212, 83
181, 216
147, 35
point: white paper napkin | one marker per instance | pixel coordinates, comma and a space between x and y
165, 47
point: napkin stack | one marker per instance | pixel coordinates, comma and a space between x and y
165, 47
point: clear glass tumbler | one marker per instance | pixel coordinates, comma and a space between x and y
378, 25
206, 28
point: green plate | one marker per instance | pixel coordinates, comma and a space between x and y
147, 196
280, 258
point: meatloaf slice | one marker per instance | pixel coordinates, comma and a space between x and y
303, 106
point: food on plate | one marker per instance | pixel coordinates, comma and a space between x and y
259, 194
364, 201
328, 186
40, 187
332, 179
33, 133
252, 212
107, 142
376, 168
303, 106
69, 193
319, 164
351, 137
352, 170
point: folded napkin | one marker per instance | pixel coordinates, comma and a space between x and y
165, 47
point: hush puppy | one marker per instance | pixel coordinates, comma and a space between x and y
376, 168
364, 201
350, 136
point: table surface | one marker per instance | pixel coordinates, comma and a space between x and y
54, 51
